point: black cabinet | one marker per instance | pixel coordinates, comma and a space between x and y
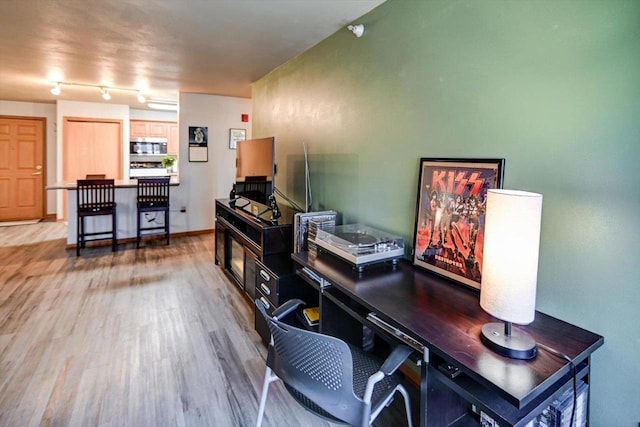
276, 283
250, 260
221, 245
255, 253
245, 233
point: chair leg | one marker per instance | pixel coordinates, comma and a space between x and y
269, 377
166, 225
407, 404
138, 230
114, 235
79, 221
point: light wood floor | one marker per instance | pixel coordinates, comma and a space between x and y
149, 337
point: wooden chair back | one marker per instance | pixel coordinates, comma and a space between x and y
153, 192
96, 196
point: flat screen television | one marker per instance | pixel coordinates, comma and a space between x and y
255, 168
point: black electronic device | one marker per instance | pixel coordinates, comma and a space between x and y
255, 169
360, 245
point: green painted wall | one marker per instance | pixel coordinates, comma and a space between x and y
551, 86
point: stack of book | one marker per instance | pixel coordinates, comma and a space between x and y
315, 225
301, 224
559, 413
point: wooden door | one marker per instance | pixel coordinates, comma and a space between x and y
91, 146
22, 168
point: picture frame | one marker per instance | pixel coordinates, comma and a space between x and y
236, 135
198, 144
449, 224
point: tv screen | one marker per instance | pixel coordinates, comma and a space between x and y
255, 167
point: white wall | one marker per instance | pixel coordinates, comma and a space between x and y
203, 182
48, 111
159, 116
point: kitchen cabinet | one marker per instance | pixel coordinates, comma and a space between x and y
157, 129
173, 144
139, 129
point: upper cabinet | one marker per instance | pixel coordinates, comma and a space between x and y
139, 129
159, 129
173, 146
147, 128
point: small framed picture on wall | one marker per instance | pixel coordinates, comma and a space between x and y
198, 144
236, 135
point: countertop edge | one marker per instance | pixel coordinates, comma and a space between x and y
119, 183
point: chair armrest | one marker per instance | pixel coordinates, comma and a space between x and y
287, 308
393, 362
395, 359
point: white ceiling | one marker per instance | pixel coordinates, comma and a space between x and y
164, 46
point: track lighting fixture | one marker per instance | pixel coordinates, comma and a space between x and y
56, 89
105, 91
162, 105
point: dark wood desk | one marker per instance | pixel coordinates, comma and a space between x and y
446, 319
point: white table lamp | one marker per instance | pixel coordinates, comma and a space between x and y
510, 270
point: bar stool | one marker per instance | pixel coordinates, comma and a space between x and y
96, 197
153, 196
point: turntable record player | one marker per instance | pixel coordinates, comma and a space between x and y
360, 244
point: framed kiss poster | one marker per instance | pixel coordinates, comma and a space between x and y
449, 228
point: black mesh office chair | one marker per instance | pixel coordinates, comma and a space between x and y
153, 196
328, 377
96, 197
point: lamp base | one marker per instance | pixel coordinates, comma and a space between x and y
517, 345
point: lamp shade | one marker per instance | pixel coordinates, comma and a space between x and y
510, 255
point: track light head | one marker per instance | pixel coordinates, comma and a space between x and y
56, 89
105, 94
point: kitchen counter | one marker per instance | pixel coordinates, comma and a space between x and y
119, 183
126, 200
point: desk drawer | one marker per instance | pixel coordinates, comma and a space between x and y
267, 284
260, 324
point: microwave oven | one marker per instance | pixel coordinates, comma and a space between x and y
148, 146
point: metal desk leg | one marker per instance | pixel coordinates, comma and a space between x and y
424, 387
